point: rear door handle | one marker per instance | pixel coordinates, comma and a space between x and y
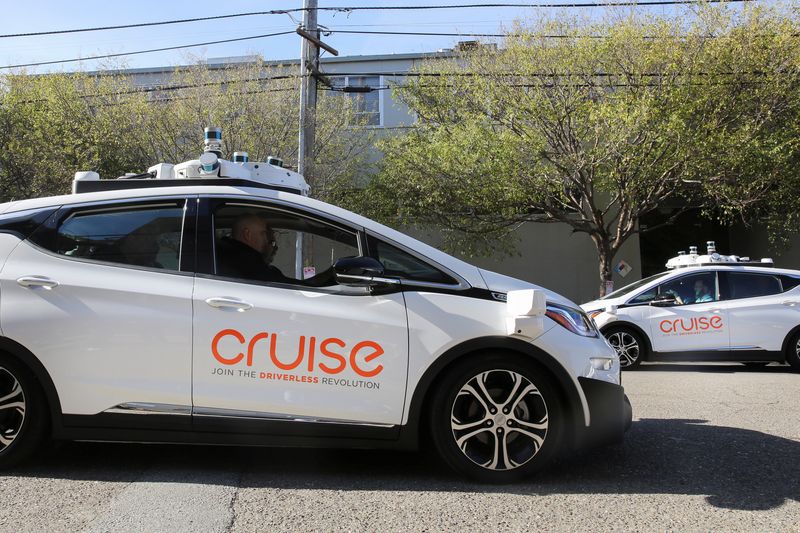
790, 303
223, 302
716, 310
37, 281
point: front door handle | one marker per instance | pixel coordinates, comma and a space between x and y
790, 303
37, 281
222, 302
716, 310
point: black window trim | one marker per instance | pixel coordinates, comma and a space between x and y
461, 283
64, 211
208, 203
773, 274
683, 275
205, 261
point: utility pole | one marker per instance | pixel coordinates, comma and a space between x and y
309, 57
309, 75
309, 62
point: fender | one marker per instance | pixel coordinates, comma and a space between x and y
25, 356
631, 325
572, 399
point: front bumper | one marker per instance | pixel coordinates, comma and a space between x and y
610, 414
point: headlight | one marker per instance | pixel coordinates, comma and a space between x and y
573, 319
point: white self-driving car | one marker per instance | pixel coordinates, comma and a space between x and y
214, 302
707, 307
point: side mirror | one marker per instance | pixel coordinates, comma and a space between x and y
359, 272
664, 300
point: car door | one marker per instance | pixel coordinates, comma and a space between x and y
696, 321
761, 314
101, 295
269, 346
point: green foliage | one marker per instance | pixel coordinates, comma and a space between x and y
56, 124
596, 132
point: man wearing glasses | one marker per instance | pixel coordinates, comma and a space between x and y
249, 251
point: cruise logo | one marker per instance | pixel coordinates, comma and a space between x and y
691, 326
329, 355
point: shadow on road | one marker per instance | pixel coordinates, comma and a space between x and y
714, 368
734, 468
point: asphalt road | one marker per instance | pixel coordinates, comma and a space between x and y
712, 447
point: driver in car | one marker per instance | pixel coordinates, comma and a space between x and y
249, 251
701, 294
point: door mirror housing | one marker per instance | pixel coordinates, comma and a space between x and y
664, 300
360, 272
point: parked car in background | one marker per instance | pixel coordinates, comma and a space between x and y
705, 308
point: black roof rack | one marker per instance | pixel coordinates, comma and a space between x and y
82, 186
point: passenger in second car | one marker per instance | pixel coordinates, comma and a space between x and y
249, 250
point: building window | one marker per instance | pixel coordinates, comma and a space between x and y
367, 105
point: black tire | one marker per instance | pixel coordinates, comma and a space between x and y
793, 352
630, 346
23, 413
497, 444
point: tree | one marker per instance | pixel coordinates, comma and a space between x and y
597, 128
54, 125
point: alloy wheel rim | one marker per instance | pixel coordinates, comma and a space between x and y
626, 346
499, 420
12, 408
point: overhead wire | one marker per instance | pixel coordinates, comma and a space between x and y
349, 9
121, 54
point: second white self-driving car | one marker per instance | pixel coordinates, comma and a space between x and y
213, 302
707, 307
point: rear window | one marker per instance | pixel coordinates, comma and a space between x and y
143, 235
751, 285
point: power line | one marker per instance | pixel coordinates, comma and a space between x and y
146, 51
144, 24
535, 75
545, 5
424, 33
349, 9
534, 35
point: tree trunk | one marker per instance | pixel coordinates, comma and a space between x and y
605, 254
604, 257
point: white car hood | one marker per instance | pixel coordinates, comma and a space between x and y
500, 283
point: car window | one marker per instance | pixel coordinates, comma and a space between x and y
261, 244
647, 296
750, 285
691, 289
147, 236
789, 282
400, 264
627, 289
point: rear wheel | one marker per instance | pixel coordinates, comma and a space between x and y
497, 418
793, 352
629, 345
23, 417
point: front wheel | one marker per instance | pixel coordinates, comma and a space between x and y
22, 413
629, 345
793, 352
497, 418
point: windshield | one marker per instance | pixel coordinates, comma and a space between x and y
633, 286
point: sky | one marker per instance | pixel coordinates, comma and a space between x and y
49, 15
